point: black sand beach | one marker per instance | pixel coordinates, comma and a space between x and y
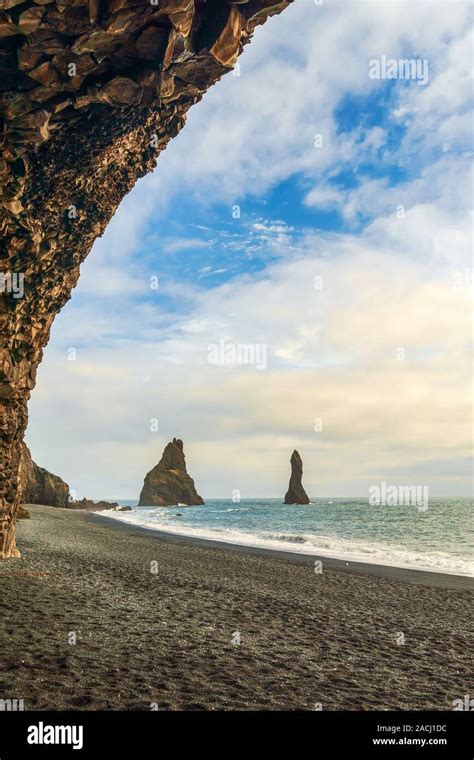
171, 639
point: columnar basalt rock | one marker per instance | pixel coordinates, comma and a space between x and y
296, 493
169, 483
91, 91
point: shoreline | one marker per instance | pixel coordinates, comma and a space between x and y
99, 615
415, 575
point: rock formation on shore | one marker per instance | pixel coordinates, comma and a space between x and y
296, 493
93, 506
91, 93
168, 483
38, 486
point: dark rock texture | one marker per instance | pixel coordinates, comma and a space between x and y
92, 506
168, 483
296, 493
38, 486
91, 91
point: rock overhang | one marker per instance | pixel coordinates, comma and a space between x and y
91, 91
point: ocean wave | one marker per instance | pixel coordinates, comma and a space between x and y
290, 539
329, 547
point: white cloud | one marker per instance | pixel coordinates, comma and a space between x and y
332, 352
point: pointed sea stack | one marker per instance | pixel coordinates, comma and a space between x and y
296, 493
168, 483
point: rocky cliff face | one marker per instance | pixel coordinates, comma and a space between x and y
91, 91
38, 486
168, 483
296, 493
96, 506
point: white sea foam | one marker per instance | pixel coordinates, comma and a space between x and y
330, 547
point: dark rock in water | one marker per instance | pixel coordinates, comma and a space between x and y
296, 493
179, 514
22, 513
93, 506
124, 509
38, 486
168, 483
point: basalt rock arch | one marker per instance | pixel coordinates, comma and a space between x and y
91, 91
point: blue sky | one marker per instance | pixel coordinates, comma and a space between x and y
376, 210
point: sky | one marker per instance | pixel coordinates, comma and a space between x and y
314, 220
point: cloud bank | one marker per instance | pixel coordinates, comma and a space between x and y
366, 323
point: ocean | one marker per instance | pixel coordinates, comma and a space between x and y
438, 539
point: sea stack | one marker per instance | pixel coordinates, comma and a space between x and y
168, 483
296, 493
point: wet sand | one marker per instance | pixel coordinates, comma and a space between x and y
219, 626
